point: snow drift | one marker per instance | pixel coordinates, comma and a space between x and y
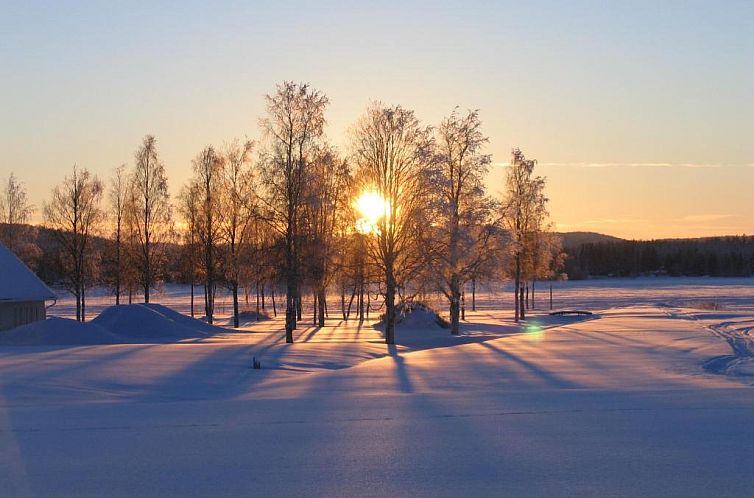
58, 332
152, 322
121, 324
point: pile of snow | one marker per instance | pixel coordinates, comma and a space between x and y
152, 322
420, 316
58, 332
120, 324
418, 326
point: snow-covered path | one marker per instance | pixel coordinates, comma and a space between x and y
618, 406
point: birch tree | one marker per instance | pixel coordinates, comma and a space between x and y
188, 202
462, 208
207, 181
524, 212
239, 211
74, 214
118, 198
293, 128
392, 152
149, 203
326, 196
15, 211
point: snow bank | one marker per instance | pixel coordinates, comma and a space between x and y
58, 332
152, 322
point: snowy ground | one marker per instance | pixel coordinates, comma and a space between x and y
651, 397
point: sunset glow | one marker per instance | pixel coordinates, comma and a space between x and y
372, 207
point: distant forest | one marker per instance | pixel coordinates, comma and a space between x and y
586, 255
731, 256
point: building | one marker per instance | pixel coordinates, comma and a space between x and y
22, 294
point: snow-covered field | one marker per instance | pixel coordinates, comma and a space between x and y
652, 396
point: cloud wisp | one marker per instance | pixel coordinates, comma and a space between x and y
638, 165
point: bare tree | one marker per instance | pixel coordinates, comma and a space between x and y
239, 211
546, 258
524, 213
151, 214
393, 152
188, 208
74, 214
118, 197
463, 210
208, 176
15, 211
293, 128
326, 195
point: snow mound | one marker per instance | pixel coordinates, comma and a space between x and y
420, 316
416, 316
152, 321
58, 332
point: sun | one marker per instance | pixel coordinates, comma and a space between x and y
372, 207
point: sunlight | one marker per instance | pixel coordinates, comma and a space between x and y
372, 207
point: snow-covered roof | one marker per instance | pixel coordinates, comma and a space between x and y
18, 282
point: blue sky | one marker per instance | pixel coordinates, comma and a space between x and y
640, 113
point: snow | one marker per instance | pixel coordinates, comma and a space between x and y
18, 282
152, 322
623, 403
57, 332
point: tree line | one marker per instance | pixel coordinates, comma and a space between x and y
402, 212
715, 256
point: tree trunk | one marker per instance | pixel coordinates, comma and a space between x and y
83, 304
473, 294
463, 304
350, 303
290, 308
117, 265
314, 308
192, 298
235, 306
521, 306
343, 302
78, 303
390, 305
455, 306
532, 294
321, 301
208, 302
517, 285
274, 305
257, 308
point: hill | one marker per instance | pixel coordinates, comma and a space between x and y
575, 239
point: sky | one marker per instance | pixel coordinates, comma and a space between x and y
640, 114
